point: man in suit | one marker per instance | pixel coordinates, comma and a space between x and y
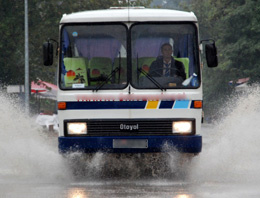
166, 65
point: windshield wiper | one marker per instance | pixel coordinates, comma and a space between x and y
119, 67
158, 85
155, 82
107, 79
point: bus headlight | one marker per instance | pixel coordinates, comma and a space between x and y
183, 127
77, 128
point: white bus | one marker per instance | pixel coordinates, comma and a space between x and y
113, 93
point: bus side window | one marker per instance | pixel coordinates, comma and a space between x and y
76, 68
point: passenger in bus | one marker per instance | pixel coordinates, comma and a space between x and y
166, 65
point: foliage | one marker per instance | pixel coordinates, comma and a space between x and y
170, 4
11, 43
234, 25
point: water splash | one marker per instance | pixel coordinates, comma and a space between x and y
232, 149
230, 153
25, 151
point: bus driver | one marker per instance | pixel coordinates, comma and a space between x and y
166, 65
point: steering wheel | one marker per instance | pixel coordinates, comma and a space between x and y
159, 71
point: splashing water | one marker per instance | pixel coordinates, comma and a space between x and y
230, 153
130, 166
25, 151
232, 150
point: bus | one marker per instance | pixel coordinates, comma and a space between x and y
109, 99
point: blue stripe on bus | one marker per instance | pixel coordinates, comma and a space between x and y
177, 104
166, 104
181, 104
106, 105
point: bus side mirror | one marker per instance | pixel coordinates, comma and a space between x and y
47, 54
211, 55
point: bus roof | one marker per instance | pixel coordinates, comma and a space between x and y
128, 15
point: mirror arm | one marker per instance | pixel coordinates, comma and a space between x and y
207, 40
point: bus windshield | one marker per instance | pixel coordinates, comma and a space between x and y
164, 55
93, 56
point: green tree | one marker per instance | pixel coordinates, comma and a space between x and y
234, 25
11, 42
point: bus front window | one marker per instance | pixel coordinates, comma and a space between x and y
93, 56
164, 55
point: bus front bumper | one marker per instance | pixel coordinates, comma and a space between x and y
131, 144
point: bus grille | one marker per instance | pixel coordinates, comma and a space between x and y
129, 127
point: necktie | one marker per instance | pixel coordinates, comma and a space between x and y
167, 70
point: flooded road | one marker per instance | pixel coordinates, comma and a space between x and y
229, 165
